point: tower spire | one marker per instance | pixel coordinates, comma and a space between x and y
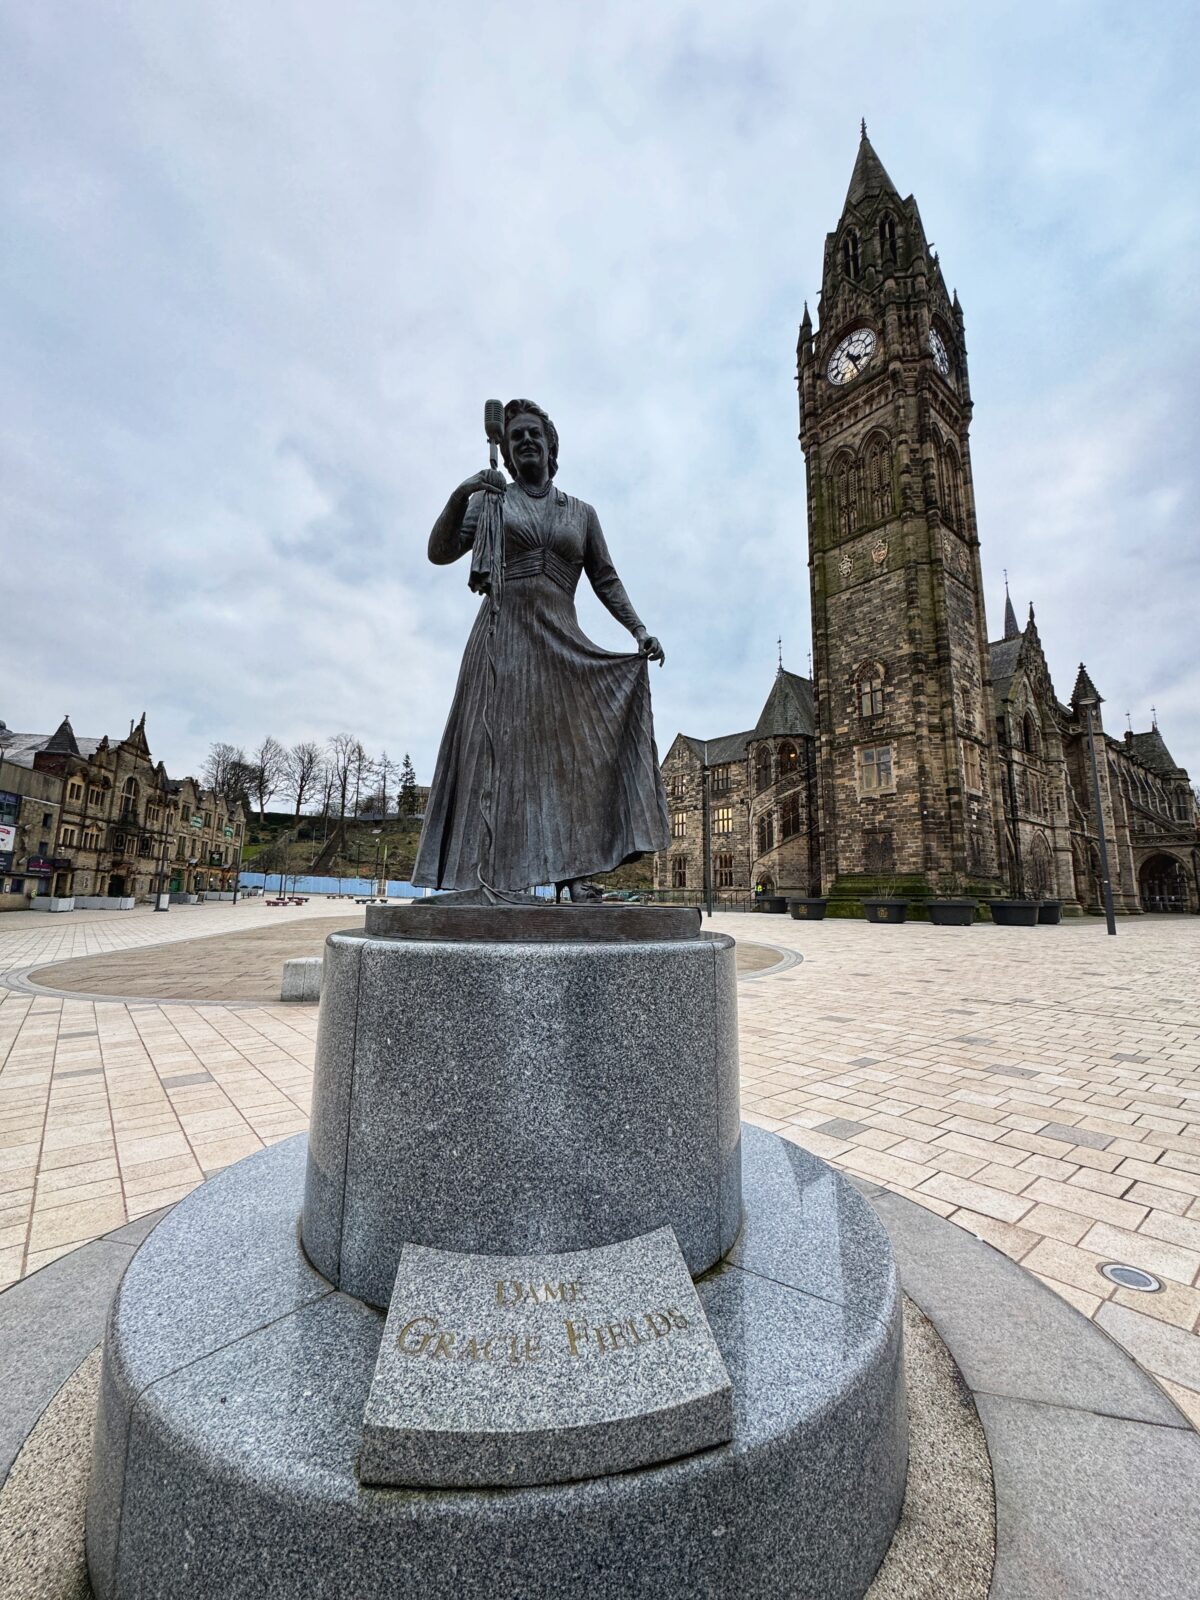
869, 176
1011, 631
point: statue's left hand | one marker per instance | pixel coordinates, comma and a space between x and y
651, 649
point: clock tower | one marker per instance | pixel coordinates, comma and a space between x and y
906, 757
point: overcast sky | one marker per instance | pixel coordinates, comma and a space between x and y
262, 264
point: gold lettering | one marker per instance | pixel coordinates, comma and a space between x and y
477, 1351
678, 1320
444, 1346
577, 1336
658, 1322
616, 1332
411, 1342
504, 1297
598, 1336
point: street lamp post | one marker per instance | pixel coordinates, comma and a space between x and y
1088, 706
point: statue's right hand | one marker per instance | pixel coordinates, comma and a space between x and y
487, 479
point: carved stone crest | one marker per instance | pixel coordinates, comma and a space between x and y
846, 564
879, 551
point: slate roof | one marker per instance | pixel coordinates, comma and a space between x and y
20, 748
869, 176
1152, 752
789, 707
788, 710
1003, 655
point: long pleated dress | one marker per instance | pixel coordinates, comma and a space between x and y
576, 787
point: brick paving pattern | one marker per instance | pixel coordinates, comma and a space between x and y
1039, 1087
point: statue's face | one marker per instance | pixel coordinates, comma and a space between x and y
528, 445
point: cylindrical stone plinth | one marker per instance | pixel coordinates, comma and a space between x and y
572, 1086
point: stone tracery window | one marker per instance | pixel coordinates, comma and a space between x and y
869, 690
789, 760
879, 478
679, 872
766, 833
887, 236
851, 257
789, 816
845, 491
723, 870
762, 767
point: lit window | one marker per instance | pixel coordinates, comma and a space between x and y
723, 870
679, 825
721, 782
678, 787
789, 760
722, 819
875, 769
679, 872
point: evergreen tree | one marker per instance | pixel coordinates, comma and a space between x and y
409, 801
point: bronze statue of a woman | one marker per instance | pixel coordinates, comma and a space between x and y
547, 771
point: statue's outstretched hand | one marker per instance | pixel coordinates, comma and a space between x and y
487, 479
650, 648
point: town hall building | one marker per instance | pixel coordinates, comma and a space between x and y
922, 758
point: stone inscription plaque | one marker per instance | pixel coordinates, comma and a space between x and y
500, 1371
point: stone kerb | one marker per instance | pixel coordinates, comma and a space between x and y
521, 1097
301, 978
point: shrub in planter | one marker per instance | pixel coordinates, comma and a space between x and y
807, 908
952, 913
1014, 913
1049, 911
885, 910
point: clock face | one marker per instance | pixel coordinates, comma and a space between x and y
851, 356
941, 356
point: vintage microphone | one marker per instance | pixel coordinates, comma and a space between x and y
487, 577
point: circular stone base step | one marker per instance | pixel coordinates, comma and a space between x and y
235, 1380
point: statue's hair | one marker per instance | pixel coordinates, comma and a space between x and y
517, 408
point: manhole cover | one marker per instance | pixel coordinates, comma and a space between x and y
1130, 1277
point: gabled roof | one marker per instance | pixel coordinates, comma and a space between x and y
1003, 657
789, 708
1151, 751
730, 747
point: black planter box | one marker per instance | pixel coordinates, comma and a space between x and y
807, 910
885, 910
951, 913
1049, 910
1014, 913
775, 903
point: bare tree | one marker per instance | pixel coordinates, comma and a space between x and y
303, 769
267, 766
341, 758
360, 772
225, 771
384, 768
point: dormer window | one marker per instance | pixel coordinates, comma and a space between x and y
887, 237
851, 259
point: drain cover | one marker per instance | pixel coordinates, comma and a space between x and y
1130, 1277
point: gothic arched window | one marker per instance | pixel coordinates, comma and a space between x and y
789, 760
1029, 736
879, 478
869, 691
851, 259
789, 816
766, 833
762, 767
845, 483
887, 236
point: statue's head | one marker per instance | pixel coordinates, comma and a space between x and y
519, 417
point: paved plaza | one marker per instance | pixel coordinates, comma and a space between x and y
1039, 1087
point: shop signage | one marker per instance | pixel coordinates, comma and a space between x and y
39, 867
8, 837
197, 822
6, 861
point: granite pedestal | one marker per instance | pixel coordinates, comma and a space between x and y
236, 1376
530, 1080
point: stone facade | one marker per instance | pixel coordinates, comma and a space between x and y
96, 818
923, 758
